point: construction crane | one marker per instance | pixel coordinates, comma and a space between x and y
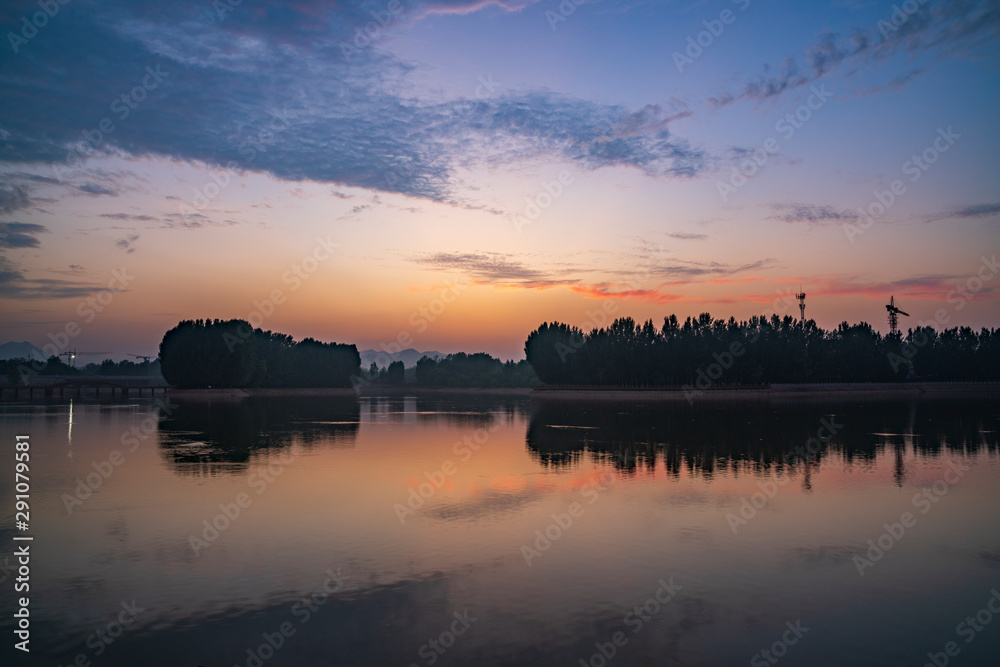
894, 313
801, 296
70, 357
144, 357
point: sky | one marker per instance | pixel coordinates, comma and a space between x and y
449, 174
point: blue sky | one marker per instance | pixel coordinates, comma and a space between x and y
247, 133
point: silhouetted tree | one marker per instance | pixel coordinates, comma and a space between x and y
473, 370
395, 373
216, 353
754, 352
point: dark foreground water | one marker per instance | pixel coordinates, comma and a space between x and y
485, 531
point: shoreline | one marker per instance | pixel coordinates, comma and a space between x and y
828, 390
831, 390
840, 390
345, 391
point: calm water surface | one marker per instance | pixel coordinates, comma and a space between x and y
507, 531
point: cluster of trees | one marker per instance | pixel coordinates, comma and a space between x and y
231, 353
109, 367
474, 370
16, 369
394, 374
755, 352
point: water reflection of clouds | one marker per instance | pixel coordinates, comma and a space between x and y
489, 503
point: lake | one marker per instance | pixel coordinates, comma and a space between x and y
489, 530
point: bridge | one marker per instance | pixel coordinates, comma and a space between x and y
49, 386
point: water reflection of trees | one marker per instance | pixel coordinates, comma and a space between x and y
753, 436
472, 409
222, 436
219, 436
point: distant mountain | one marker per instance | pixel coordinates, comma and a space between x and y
22, 350
409, 357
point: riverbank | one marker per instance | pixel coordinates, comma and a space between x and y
826, 390
366, 392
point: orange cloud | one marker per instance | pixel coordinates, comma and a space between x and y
747, 279
602, 292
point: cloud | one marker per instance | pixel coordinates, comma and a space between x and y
745, 279
941, 26
607, 291
976, 211
193, 221
13, 198
502, 271
893, 84
333, 115
686, 236
96, 189
811, 213
129, 216
967, 212
686, 270
126, 242
72, 269
489, 269
932, 287
20, 234
14, 285
8, 272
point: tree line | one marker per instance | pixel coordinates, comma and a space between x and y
16, 370
231, 353
473, 370
758, 351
